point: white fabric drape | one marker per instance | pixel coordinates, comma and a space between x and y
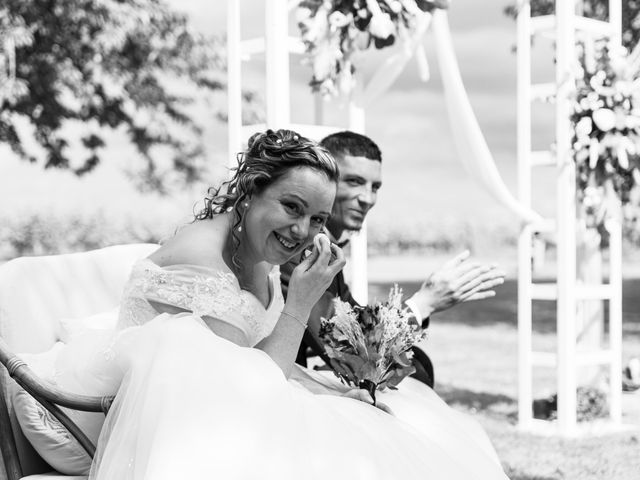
470, 143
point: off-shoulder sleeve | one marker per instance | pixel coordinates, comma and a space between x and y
200, 290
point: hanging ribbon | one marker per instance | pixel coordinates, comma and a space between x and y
470, 143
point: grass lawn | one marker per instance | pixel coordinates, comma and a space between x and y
474, 350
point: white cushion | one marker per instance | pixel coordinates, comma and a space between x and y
36, 292
45, 433
71, 328
48, 437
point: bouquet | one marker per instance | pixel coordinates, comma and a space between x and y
370, 346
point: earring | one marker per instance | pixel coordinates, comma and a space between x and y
245, 204
239, 228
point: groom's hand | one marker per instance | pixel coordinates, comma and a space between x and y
458, 280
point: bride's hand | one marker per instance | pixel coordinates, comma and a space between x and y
311, 278
364, 396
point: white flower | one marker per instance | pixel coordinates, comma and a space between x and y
604, 119
631, 122
584, 127
592, 196
593, 96
361, 40
618, 60
621, 118
395, 297
394, 5
629, 145
338, 19
327, 88
324, 61
303, 14
381, 26
346, 81
594, 153
314, 28
623, 159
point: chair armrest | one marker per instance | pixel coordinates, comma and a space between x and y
8, 447
52, 397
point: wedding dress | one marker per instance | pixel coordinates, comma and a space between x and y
191, 404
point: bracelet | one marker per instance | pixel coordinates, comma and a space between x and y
304, 324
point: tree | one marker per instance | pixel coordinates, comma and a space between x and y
598, 9
106, 64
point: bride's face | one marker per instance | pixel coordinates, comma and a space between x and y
283, 219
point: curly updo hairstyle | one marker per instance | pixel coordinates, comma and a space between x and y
268, 157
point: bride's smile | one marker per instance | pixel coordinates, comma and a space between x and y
282, 219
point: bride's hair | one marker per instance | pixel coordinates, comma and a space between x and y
269, 155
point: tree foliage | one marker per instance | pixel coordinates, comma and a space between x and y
598, 9
131, 65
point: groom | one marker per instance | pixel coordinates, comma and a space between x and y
459, 280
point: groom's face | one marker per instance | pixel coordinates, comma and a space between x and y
360, 180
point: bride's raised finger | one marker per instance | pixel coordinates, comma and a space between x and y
309, 260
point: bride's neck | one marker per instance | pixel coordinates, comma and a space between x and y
240, 258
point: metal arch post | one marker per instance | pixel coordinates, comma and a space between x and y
358, 257
234, 82
277, 63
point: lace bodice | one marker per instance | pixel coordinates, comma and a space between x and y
202, 291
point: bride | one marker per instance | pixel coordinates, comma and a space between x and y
206, 343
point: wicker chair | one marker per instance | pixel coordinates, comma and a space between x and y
35, 292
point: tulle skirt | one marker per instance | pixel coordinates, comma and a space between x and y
192, 405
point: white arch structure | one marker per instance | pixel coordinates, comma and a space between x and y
277, 45
563, 27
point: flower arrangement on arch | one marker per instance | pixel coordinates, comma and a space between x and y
606, 118
334, 30
370, 346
